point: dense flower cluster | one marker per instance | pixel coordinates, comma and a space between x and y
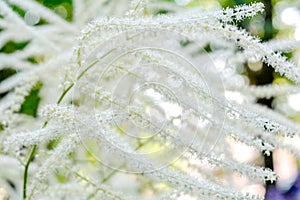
133, 96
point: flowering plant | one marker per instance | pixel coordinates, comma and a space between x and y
131, 104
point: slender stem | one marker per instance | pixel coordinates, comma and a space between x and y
30, 158
137, 5
64, 93
35, 146
95, 185
94, 62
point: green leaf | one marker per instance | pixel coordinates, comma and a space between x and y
1, 127
53, 143
61, 177
12, 46
6, 72
31, 103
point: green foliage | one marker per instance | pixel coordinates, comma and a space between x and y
1, 127
58, 6
6, 72
18, 10
207, 48
11, 46
161, 12
61, 177
30, 105
52, 144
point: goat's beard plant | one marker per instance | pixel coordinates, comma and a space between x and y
140, 112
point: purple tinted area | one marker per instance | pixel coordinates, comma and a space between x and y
273, 193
